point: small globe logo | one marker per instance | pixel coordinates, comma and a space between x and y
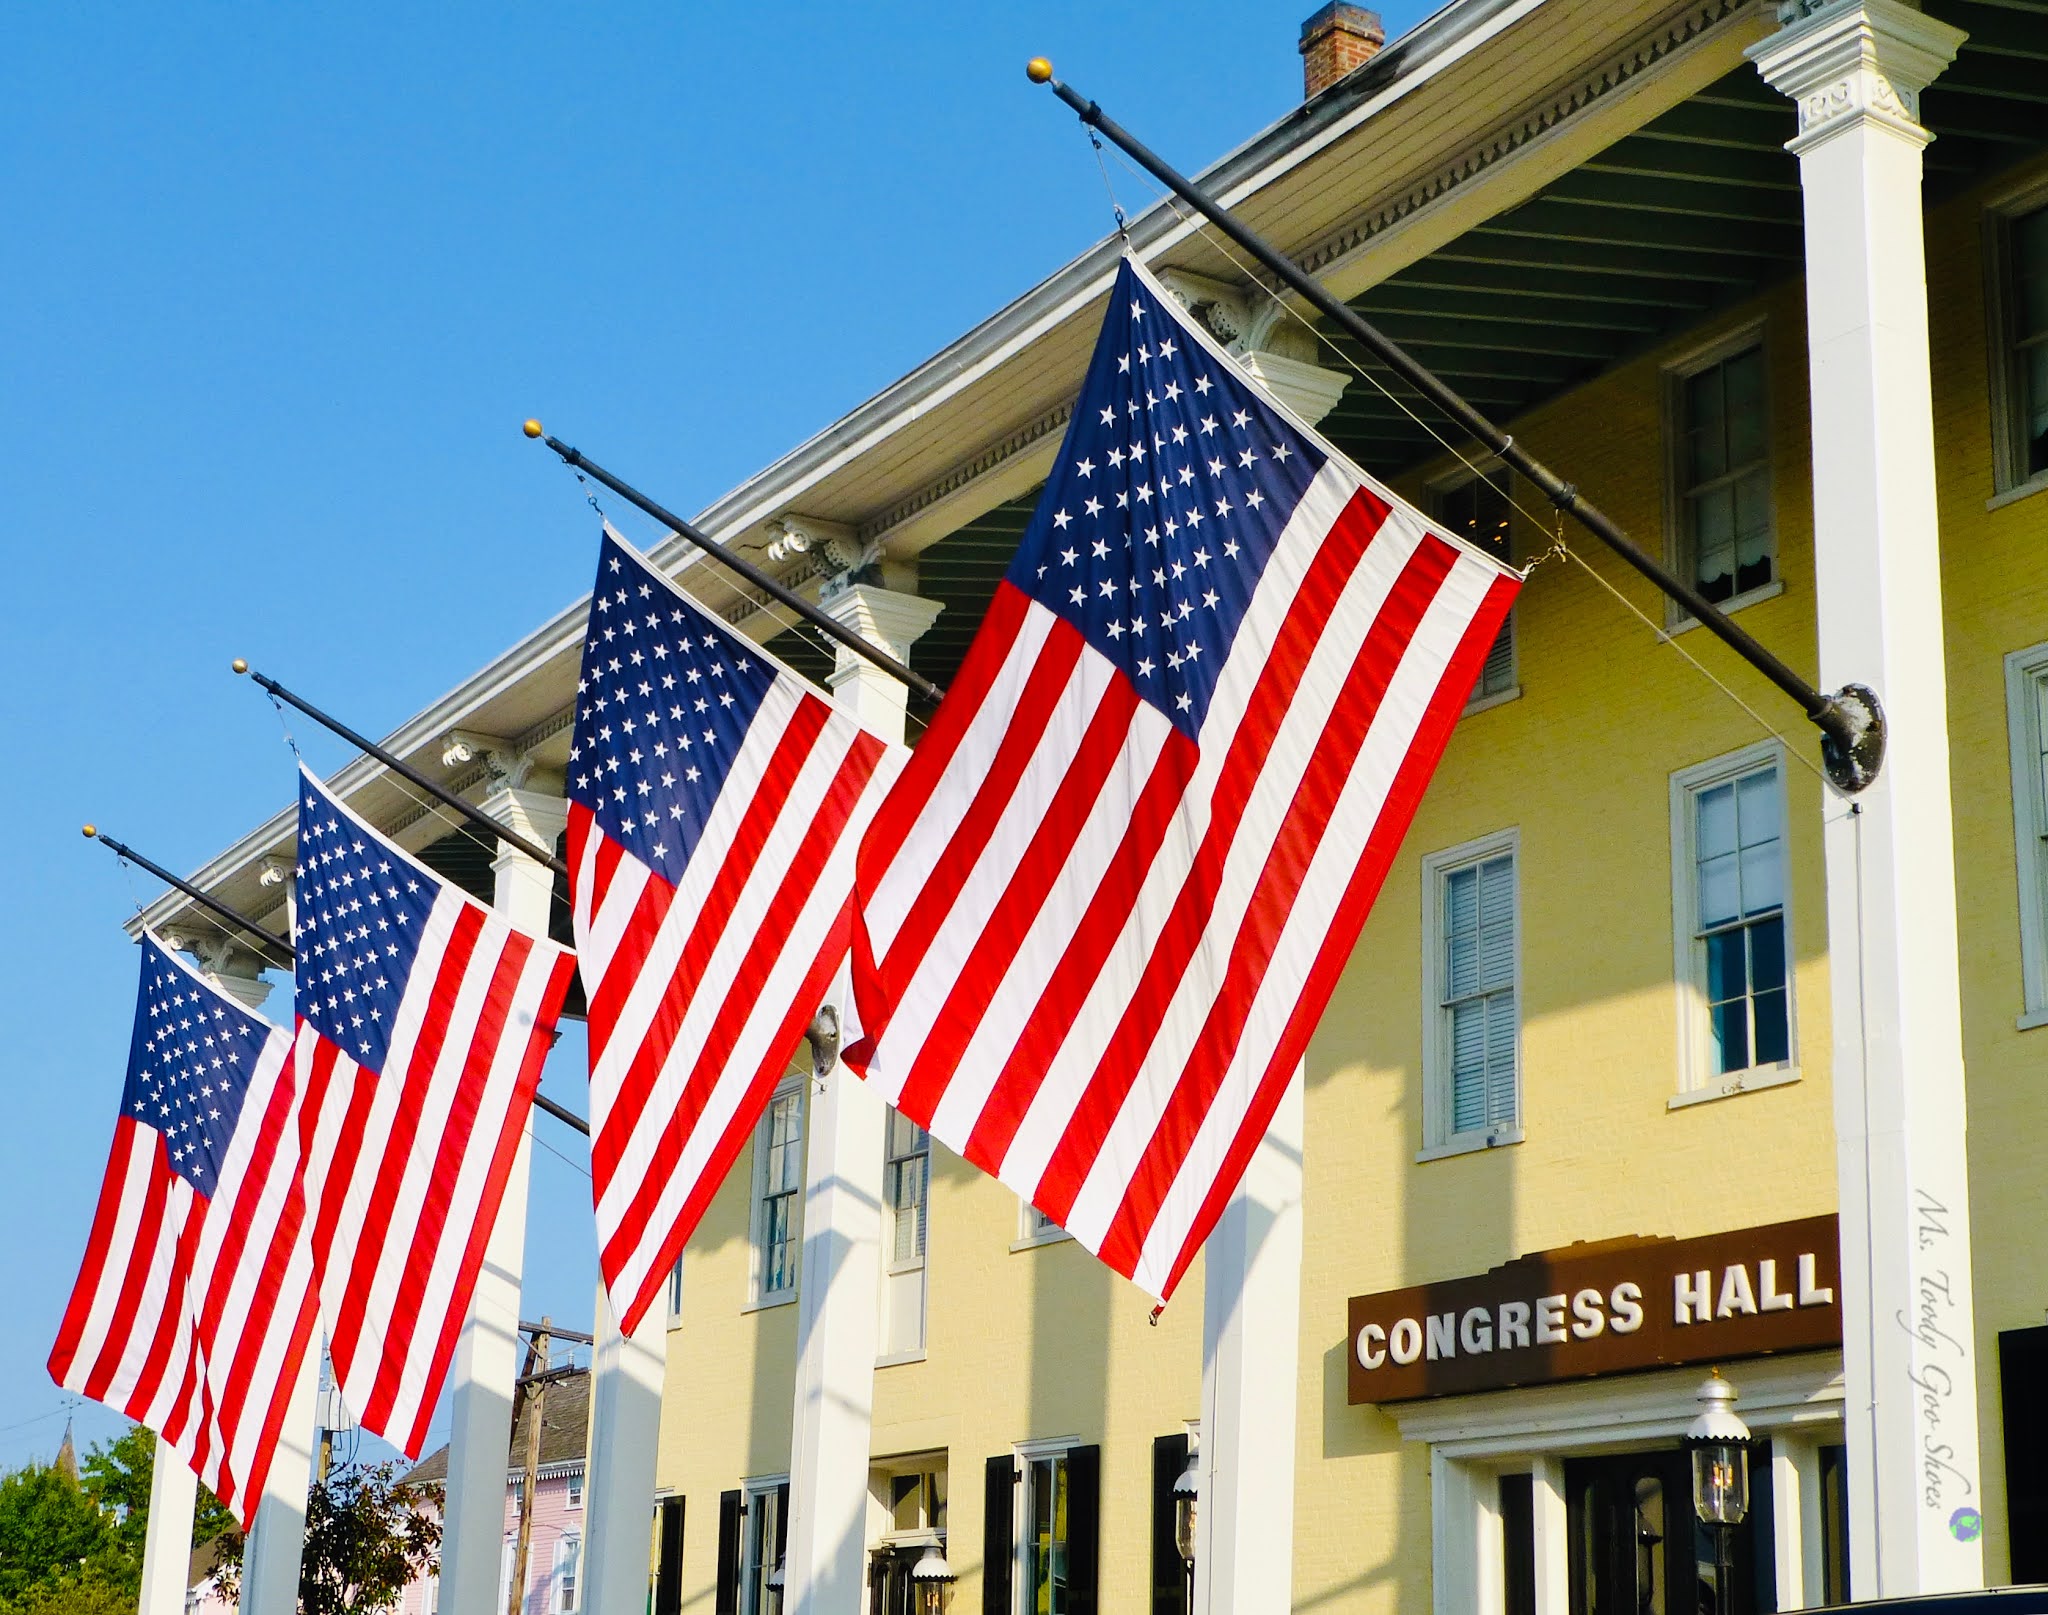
1965, 1524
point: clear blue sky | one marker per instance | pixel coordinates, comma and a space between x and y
279, 284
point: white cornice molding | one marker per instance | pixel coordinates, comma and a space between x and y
1853, 62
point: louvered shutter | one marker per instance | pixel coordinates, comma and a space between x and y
1169, 1571
726, 1595
998, 1540
1084, 1527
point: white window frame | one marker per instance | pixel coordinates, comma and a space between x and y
1437, 1138
673, 1294
2026, 673
2009, 480
893, 1269
1034, 1228
556, 1602
1697, 1079
1027, 1453
1441, 488
751, 1492
572, 1490
1676, 373
757, 1221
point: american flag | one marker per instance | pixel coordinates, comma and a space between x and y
715, 803
194, 1307
423, 1019
1108, 900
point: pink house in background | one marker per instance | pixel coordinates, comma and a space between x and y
554, 1562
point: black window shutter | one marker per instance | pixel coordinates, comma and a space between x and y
1169, 1570
668, 1580
999, 1500
727, 1593
781, 1521
2023, 1377
1084, 1527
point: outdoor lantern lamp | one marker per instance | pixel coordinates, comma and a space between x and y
929, 1579
1719, 1444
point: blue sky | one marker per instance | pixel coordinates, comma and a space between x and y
279, 285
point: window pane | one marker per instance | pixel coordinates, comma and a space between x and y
2030, 274
1745, 406
1731, 1036
1767, 953
1468, 1066
2034, 408
1714, 830
1727, 968
1497, 922
1720, 896
1501, 1097
1773, 1042
1707, 425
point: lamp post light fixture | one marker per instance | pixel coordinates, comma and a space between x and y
1719, 1441
1187, 1488
929, 1579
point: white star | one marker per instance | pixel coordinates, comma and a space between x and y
1060, 518
1085, 468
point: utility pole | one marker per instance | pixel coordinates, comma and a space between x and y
536, 1400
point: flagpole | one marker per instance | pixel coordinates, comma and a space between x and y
824, 623
226, 911
439, 793
1851, 721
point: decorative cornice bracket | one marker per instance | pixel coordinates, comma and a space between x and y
1847, 63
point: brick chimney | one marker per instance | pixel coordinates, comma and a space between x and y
1334, 41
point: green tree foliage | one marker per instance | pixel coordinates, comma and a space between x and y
74, 1547
368, 1534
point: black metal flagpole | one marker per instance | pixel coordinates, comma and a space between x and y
1851, 721
561, 1113
439, 793
226, 911
745, 568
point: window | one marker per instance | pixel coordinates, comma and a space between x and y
1042, 1565
675, 1293
2017, 258
906, 1187
767, 1538
1730, 930
1721, 472
1476, 508
1034, 1227
1472, 1032
778, 1196
2026, 708
575, 1491
568, 1568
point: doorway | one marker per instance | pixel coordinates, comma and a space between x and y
1638, 1549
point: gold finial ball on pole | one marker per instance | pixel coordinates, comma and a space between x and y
531, 428
1038, 70
89, 831
239, 665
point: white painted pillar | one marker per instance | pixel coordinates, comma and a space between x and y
277, 1540
1465, 1541
839, 1295
1856, 68
1795, 1519
487, 1355
1550, 1524
167, 1549
1251, 1339
625, 1435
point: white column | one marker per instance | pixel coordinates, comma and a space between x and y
1465, 1541
1550, 1524
167, 1549
1856, 68
1795, 1519
838, 1305
486, 1367
277, 1540
625, 1435
1251, 1338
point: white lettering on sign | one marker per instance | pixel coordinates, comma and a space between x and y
1442, 1333
1404, 1341
1587, 1318
1475, 1331
1627, 1304
1769, 1297
1514, 1324
1372, 1346
1736, 1295
1811, 1293
1692, 1297
1550, 1320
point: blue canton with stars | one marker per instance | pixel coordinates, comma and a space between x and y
189, 1065
1172, 488
662, 707
362, 911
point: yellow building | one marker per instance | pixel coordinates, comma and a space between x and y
1638, 982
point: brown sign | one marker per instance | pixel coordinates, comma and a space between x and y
1605, 1308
